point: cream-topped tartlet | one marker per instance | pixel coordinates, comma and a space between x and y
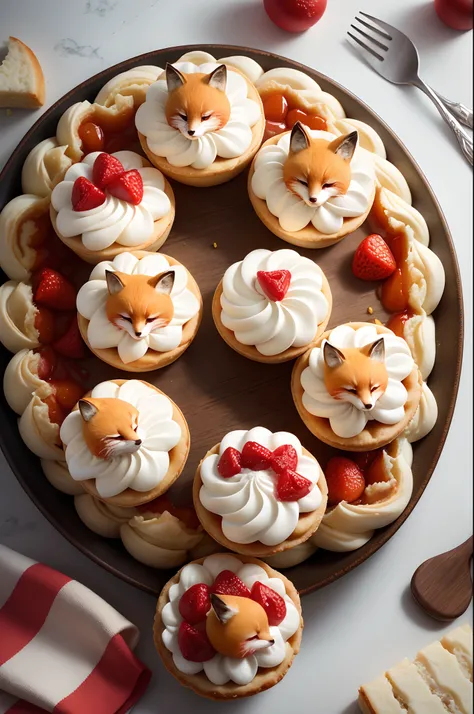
201, 124
227, 626
109, 203
259, 492
127, 442
139, 312
271, 305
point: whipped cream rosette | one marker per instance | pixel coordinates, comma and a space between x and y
17, 317
143, 454
271, 305
259, 492
57, 473
21, 379
105, 519
45, 165
111, 339
231, 656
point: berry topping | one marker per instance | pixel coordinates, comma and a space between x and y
127, 186
363, 459
56, 413
255, 456
92, 137
195, 604
85, 196
376, 470
291, 486
44, 323
227, 583
106, 167
194, 644
67, 392
373, 259
158, 506
310, 120
275, 107
271, 601
47, 363
345, 480
274, 283
283, 458
229, 463
52, 289
71, 344
295, 15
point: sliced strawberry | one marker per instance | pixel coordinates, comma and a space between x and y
229, 463
194, 644
274, 283
373, 259
128, 186
71, 343
106, 167
52, 289
85, 196
291, 486
345, 480
271, 601
195, 603
44, 323
256, 457
284, 457
67, 392
47, 363
227, 583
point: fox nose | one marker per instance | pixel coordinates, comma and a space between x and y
367, 406
138, 442
138, 334
271, 642
191, 132
313, 199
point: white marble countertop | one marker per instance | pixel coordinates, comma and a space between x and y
366, 621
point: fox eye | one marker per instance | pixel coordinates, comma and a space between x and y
302, 182
375, 387
119, 437
184, 117
125, 317
351, 390
207, 116
330, 184
150, 319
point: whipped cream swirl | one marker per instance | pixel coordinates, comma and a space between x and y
92, 298
144, 469
273, 326
347, 420
220, 669
292, 212
116, 220
247, 502
230, 142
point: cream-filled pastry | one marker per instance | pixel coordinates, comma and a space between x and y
57, 473
201, 124
259, 492
140, 311
271, 305
39, 425
18, 315
425, 416
105, 519
358, 388
394, 213
24, 224
127, 442
419, 332
22, 377
45, 165
311, 188
228, 646
109, 203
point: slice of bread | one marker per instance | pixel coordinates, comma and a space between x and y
21, 78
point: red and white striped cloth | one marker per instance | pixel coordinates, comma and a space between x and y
62, 648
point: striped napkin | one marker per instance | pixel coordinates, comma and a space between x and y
62, 648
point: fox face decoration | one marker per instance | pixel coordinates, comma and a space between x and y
197, 103
316, 169
109, 427
237, 626
139, 304
356, 375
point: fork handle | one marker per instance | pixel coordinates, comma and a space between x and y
465, 141
461, 112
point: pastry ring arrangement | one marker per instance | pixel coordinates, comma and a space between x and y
226, 625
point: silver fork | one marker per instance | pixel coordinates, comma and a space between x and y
395, 57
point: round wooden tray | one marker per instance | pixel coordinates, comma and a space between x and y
216, 388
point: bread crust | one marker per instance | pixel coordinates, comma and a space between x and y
26, 100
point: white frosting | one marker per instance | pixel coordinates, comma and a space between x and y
115, 221
425, 416
220, 670
247, 501
37, 431
17, 317
347, 420
58, 475
419, 332
102, 518
292, 212
230, 142
399, 214
426, 273
133, 82
101, 333
348, 526
388, 176
43, 165
144, 469
273, 327
17, 228
21, 379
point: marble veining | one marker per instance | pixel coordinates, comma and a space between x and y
101, 8
70, 48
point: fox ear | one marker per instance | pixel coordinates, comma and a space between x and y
114, 283
174, 78
163, 282
332, 356
344, 146
299, 139
377, 350
217, 78
87, 409
224, 613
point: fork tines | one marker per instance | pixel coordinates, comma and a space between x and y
373, 43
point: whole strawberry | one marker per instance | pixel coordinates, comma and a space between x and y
53, 290
271, 601
195, 603
373, 259
345, 480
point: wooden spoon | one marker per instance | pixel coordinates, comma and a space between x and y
442, 585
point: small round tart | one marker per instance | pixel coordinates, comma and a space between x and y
259, 493
289, 214
215, 153
109, 203
349, 363
200, 656
270, 306
178, 313
143, 454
